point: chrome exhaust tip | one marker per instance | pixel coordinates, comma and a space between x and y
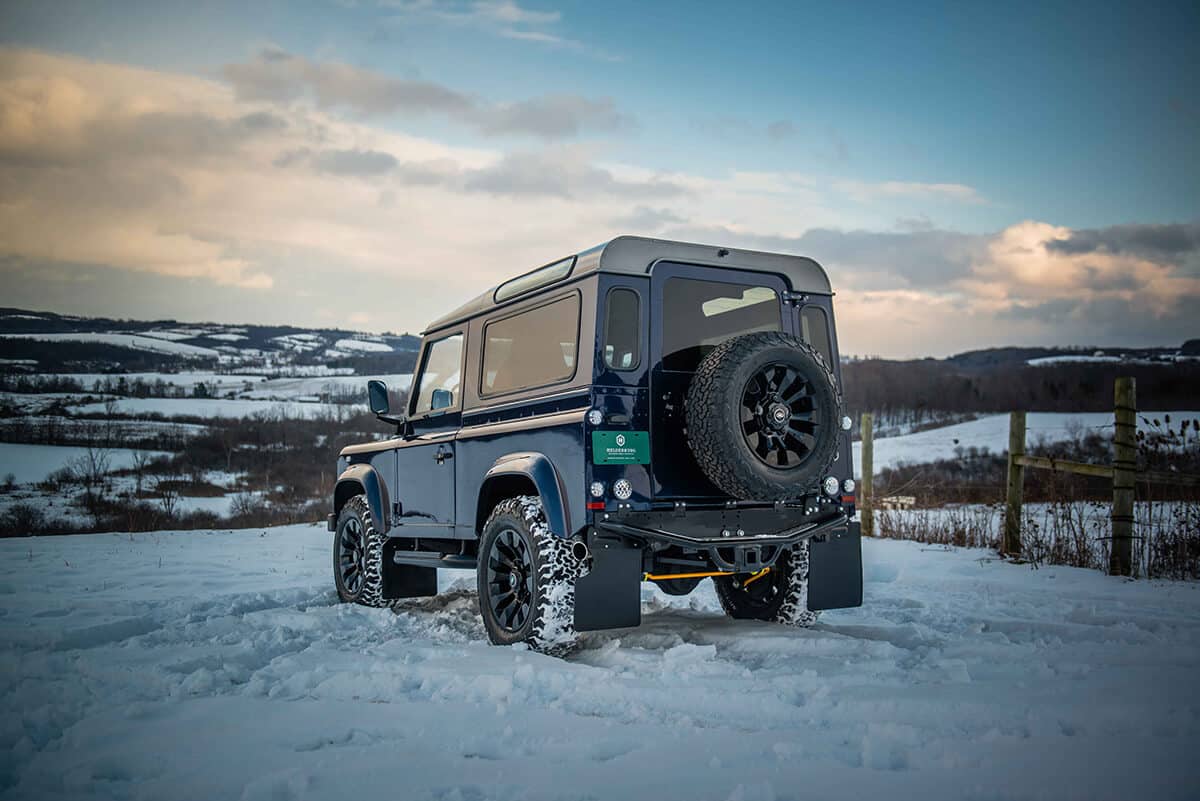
580, 550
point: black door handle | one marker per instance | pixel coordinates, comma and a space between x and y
441, 456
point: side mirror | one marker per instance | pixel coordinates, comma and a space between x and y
377, 397
441, 399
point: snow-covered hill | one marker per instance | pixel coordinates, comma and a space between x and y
991, 433
35, 341
215, 665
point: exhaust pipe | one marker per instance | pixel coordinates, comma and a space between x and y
580, 550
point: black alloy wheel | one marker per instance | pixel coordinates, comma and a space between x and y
779, 416
351, 555
510, 580
358, 555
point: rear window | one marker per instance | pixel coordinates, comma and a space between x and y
531, 349
699, 315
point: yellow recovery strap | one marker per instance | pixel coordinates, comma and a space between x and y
706, 574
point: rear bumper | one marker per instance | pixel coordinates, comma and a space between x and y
788, 536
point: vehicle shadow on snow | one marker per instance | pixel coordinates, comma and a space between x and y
454, 613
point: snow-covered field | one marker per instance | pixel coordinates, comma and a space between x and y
214, 665
30, 464
991, 432
220, 407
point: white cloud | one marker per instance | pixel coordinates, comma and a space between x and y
503, 18
276, 76
867, 192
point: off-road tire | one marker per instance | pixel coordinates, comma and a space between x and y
549, 628
371, 562
781, 596
714, 423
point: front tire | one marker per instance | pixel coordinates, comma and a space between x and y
358, 555
526, 578
780, 596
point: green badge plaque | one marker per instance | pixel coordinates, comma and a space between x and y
620, 447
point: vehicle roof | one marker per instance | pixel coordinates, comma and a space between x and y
635, 255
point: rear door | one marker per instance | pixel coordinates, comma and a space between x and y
694, 309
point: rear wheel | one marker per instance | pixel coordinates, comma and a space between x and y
358, 555
526, 578
780, 596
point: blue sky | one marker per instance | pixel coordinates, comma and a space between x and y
960, 120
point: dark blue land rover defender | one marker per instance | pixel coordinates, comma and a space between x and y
643, 411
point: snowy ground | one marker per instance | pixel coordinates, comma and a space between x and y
991, 432
214, 665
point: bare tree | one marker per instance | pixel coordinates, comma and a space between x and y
111, 427
90, 469
168, 497
140, 461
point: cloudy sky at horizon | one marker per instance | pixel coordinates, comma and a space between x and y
969, 177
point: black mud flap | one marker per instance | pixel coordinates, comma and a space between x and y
406, 581
835, 579
610, 595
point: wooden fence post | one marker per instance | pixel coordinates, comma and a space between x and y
866, 495
1010, 538
1120, 561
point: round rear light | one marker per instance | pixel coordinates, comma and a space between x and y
595, 417
831, 486
622, 489
597, 489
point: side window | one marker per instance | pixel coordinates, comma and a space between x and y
622, 330
531, 349
441, 375
814, 329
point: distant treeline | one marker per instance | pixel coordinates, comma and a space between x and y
892, 388
86, 357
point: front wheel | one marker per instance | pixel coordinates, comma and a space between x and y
780, 596
358, 555
526, 579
